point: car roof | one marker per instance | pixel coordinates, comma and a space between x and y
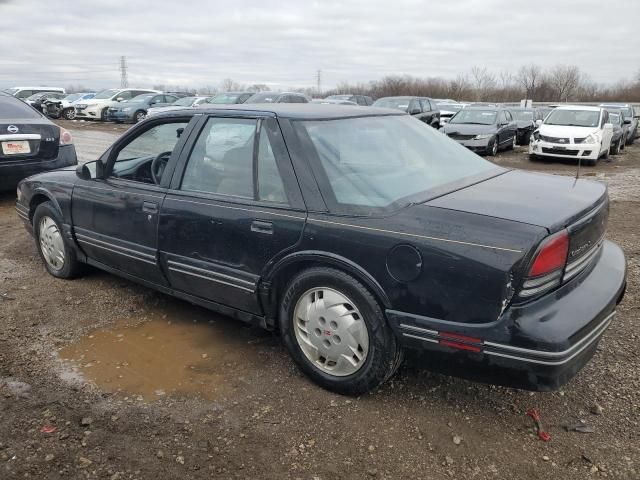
486, 107
587, 108
295, 111
615, 105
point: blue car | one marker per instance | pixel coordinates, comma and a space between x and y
135, 110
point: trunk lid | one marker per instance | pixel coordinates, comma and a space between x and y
550, 201
42, 138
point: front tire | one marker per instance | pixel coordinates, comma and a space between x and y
615, 148
494, 148
103, 114
69, 113
336, 332
59, 259
139, 116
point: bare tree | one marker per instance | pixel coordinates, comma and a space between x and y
483, 81
229, 85
564, 79
528, 76
258, 87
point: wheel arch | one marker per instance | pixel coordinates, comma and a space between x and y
40, 196
278, 276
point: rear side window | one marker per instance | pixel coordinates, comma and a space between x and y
12, 109
222, 159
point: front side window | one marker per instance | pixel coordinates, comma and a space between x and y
387, 161
134, 161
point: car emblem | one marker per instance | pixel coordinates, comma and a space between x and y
12, 129
562, 140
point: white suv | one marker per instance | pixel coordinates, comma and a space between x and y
573, 131
97, 107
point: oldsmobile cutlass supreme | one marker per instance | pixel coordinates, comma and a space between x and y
355, 232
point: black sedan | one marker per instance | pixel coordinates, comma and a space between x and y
29, 143
354, 232
484, 130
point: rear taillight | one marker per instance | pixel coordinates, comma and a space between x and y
545, 272
65, 137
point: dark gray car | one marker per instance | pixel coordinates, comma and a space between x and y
422, 108
136, 109
620, 131
630, 119
484, 130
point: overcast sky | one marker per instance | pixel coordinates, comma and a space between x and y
283, 43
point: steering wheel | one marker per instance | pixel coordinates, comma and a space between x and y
158, 165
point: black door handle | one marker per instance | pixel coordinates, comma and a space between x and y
149, 207
262, 227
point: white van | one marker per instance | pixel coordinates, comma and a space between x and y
24, 92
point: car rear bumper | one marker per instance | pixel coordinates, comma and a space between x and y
589, 151
12, 172
539, 345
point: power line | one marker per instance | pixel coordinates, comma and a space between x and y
124, 81
319, 80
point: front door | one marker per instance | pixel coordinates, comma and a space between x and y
115, 219
234, 206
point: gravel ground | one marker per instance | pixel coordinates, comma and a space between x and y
90, 385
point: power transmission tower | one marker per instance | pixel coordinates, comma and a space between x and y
319, 79
124, 82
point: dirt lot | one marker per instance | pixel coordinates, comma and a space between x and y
101, 378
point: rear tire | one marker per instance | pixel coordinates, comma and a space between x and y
514, 142
58, 257
314, 342
103, 114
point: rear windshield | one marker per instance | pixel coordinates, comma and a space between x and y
13, 109
388, 161
224, 99
266, 97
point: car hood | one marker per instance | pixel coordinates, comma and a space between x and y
469, 128
93, 101
549, 201
565, 131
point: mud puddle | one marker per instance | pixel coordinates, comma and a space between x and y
161, 356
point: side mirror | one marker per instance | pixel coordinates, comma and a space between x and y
90, 170
538, 122
119, 99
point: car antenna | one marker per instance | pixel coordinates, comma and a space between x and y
578, 171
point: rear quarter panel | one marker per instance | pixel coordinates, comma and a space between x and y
470, 263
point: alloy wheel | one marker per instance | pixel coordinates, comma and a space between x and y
331, 331
51, 243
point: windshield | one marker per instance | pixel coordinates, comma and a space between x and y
378, 161
340, 97
522, 115
573, 118
224, 98
105, 94
475, 117
264, 97
184, 102
142, 98
399, 103
452, 107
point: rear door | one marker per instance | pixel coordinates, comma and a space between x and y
115, 219
233, 208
